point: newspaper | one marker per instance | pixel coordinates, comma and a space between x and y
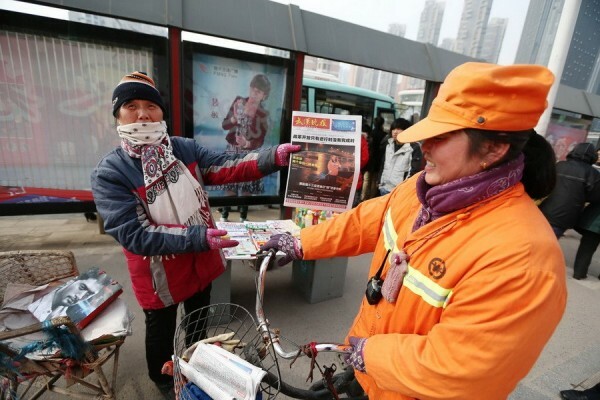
324, 174
252, 235
222, 375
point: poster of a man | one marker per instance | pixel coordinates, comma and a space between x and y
69, 295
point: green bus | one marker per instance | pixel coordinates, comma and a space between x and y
337, 98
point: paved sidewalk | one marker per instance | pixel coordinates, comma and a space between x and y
571, 359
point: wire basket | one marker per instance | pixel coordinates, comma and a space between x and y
222, 318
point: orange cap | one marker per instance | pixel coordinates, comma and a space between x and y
486, 96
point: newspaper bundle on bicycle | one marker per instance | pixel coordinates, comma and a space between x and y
223, 351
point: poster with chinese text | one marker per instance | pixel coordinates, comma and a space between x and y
324, 174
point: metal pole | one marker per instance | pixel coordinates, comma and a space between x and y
558, 56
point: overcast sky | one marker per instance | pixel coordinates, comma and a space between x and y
379, 14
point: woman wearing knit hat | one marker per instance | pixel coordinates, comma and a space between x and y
467, 280
150, 193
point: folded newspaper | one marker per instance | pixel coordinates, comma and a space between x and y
222, 375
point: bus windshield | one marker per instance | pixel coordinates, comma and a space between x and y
337, 98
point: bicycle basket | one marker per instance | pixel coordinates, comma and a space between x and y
222, 318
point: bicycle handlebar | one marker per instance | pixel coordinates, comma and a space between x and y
263, 324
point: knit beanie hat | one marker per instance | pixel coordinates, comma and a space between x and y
136, 86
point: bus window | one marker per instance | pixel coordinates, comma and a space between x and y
410, 104
337, 98
304, 99
388, 117
333, 102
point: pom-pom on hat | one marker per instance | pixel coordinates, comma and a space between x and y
136, 86
486, 96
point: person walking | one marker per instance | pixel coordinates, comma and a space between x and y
467, 280
401, 160
589, 228
149, 192
577, 183
375, 164
592, 393
364, 160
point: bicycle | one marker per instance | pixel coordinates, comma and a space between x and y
263, 348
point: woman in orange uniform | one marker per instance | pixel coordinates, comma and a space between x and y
467, 278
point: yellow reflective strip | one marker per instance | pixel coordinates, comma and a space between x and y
389, 233
429, 291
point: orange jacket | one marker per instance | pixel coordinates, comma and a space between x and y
484, 292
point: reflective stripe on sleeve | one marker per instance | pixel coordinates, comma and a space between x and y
389, 233
415, 281
429, 291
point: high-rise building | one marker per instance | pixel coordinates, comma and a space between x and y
539, 31
322, 68
397, 29
492, 41
582, 66
473, 24
447, 44
431, 22
372, 79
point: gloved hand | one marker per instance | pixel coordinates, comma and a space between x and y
215, 241
356, 359
286, 243
282, 154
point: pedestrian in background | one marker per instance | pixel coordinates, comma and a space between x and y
589, 228
364, 160
577, 183
149, 192
401, 160
375, 164
592, 393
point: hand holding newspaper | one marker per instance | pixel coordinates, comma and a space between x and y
221, 374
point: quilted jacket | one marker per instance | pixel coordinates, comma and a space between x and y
167, 263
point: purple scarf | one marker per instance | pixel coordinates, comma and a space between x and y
440, 200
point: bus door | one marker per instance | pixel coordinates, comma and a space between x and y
387, 112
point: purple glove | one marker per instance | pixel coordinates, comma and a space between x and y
282, 154
215, 241
286, 243
356, 358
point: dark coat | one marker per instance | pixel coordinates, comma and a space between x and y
590, 219
376, 151
577, 183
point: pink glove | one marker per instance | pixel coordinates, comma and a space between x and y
215, 241
282, 154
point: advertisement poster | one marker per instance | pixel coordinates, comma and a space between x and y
238, 108
564, 132
324, 174
55, 119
